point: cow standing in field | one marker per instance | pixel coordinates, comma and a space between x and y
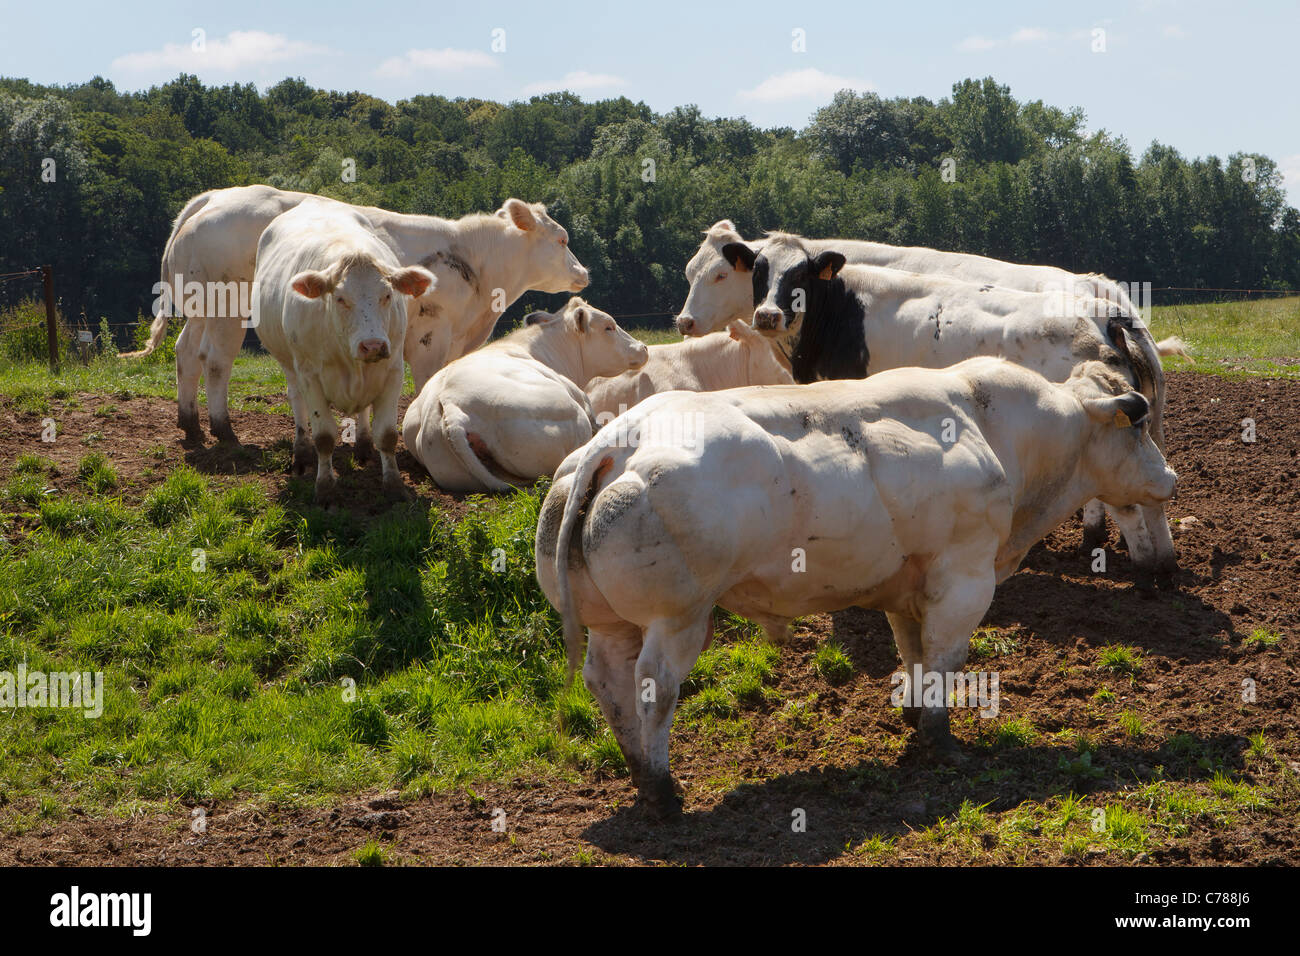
739, 358
722, 288
849, 321
914, 492
509, 413
331, 305
482, 262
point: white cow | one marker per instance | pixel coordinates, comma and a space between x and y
509, 413
802, 499
330, 304
483, 263
741, 357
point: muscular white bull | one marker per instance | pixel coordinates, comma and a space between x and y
482, 262
510, 412
330, 302
722, 289
708, 364
848, 321
892, 507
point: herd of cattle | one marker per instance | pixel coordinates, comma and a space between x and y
846, 424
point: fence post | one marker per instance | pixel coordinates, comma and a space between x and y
51, 323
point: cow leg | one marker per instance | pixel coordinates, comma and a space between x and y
1140, 549
946, 628
907, 635
189, 369
1166, 558
610, 674
324, 435
386, 428
304, 453
1094, 527
220, 346
364, 447
670, 650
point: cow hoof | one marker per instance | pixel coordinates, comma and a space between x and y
363, 451
189, 424
304, 462
912, 716
327, 493
660, 800
945, 748
225, 434
1145, 582
396, 491
1167, 575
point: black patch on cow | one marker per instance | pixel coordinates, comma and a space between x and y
1119, 330
452, 261
426, 338
832, 339
937, 312
980, 395
1135, 406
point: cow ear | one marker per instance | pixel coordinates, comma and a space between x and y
580, 317
739, 255
539, 318
412, 281
1129, 410
827, 265
517, 211
742, 331
310, 284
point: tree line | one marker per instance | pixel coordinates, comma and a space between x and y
91, 178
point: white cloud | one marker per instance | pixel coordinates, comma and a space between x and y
977, 43
802, 85
1175, 31
579, 81
1030, 35
238, 50
446, 60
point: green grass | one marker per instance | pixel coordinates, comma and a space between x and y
1120, 660
1264, 637
1260, 337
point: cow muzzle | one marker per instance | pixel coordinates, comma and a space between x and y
685, 325
581, 278
769, 319
372, 350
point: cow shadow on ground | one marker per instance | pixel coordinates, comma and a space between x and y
822, 814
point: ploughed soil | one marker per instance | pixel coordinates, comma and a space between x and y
840, 753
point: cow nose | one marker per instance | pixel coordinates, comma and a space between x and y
372, 350
582, 280
767, 317
685, 325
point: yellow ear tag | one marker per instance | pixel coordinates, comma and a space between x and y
1122, 420
826, 273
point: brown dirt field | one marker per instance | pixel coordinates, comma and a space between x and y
840, 753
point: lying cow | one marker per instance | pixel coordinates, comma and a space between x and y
723, 288
330, 303
741, 357
482, 262
914, 492
509, 413
849, 321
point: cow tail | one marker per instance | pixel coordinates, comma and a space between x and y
590, 467
453, 426
158, 330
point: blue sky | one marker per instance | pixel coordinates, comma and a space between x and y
1203, 77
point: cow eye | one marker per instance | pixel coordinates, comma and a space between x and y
340, 300
564, 241
719, 277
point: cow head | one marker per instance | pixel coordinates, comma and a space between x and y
1123, 462
605, 348
364, 301
761, 364
548, 265
720, 286
787, 279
